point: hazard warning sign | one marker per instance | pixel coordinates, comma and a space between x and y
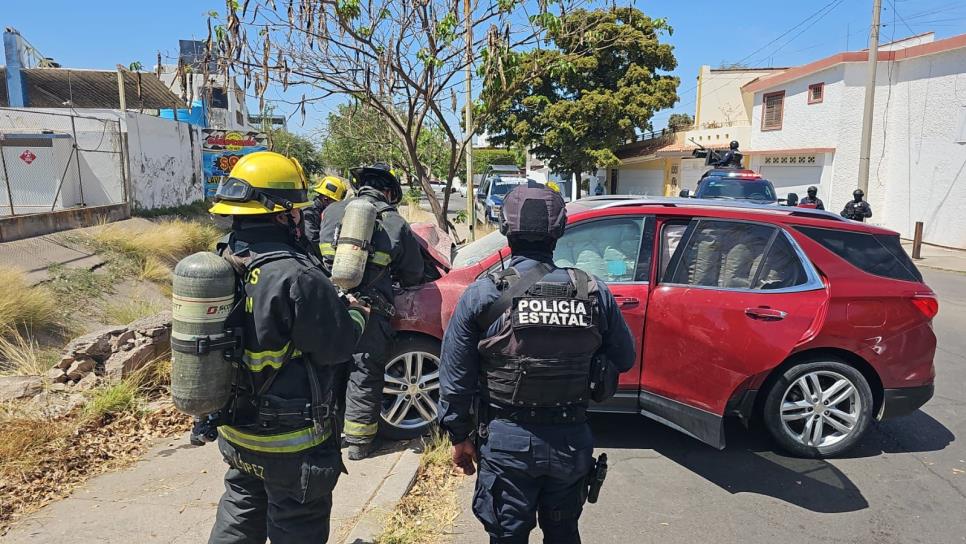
28, 156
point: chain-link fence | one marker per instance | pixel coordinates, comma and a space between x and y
52, 161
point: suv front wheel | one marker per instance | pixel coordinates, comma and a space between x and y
819, 408
411, 390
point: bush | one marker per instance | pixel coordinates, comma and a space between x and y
112, 400
31, 307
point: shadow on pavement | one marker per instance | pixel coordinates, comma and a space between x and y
752, 464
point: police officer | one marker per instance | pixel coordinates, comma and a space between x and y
731, 158
328, 191
812, 200
395, 256
277, 433
521, 342
857, 209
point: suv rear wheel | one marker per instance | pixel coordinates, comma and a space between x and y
819, 408
411, 391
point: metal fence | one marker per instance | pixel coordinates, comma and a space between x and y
52, 161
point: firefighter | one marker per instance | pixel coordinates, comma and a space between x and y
812, 200
536, 448
328, 191
395, 256
857, 209
278, 436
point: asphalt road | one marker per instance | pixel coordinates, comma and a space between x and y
905, 483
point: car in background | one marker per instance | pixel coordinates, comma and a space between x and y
489, 198
797, 318
734, 184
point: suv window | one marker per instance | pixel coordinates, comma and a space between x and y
609, 248
760, 190
877, 254
736, 255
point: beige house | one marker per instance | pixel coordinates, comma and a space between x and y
661, 164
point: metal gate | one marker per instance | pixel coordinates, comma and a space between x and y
53, 161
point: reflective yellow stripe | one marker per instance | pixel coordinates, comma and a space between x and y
326, 249
258, 360
380, 258
356, 316
360, 429
290, 442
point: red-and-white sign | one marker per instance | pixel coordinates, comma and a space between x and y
28, 156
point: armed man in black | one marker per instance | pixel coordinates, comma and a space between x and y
857, 209
395, 256
731, 158
812, 200
277, 434
523, 344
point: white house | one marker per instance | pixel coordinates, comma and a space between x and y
806, 130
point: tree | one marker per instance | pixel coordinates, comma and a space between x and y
299, 147
404, 60
680, 121
603, 86
482, 158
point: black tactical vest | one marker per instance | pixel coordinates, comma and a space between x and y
541, 355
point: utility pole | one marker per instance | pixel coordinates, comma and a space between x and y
865, 151
470, 192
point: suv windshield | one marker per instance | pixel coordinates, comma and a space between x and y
758, 190
475, 252
502, 188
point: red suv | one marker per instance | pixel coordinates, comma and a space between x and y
813, 323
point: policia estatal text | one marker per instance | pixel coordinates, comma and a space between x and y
277, 433
528, 344
394, 255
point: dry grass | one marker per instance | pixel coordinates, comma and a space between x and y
22, 306
415, 214
428, 511
22, 356
153, 270
131, 309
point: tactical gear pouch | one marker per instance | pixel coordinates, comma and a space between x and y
550, 382
603, 379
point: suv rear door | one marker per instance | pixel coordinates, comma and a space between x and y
733, 299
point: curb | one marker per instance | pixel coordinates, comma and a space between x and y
394, 487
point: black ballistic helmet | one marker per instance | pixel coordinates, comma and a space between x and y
734, 144
812, 190
533, 212
378, 176
858, 192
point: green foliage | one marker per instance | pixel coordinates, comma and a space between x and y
300, 148
482, 158
679, 121
112, 399
597, 86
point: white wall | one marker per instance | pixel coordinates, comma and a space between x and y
165, 159
917, 170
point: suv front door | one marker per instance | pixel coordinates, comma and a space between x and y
734, 298
618, 251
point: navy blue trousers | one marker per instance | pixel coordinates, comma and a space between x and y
530, 473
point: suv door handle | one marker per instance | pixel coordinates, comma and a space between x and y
625, 302
765, 314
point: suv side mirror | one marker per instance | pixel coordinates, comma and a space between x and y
685, 193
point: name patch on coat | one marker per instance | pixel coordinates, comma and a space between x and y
551, 312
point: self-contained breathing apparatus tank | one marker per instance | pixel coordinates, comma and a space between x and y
203, 296
353, 244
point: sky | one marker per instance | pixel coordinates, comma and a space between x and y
758, 33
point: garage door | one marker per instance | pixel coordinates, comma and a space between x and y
641, 182
793, 179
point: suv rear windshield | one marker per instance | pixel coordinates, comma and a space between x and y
877, 254
736, 189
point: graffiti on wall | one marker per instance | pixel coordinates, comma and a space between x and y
221, 150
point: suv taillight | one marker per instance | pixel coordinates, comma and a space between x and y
927, 304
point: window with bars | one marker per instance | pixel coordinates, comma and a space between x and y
816, 93
772, 108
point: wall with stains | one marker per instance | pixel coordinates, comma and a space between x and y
165, 162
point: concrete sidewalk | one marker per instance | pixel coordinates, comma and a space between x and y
940, 258
34, 256
171, 496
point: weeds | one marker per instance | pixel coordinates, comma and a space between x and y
425, 514
75, 284
165, 242
131, 309
30, 307
194, 209
23, 356
112, 400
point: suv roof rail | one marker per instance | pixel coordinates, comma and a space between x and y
672, 202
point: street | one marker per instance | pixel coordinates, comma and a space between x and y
905, 483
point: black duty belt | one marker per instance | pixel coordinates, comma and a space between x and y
573, 413
287, 414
